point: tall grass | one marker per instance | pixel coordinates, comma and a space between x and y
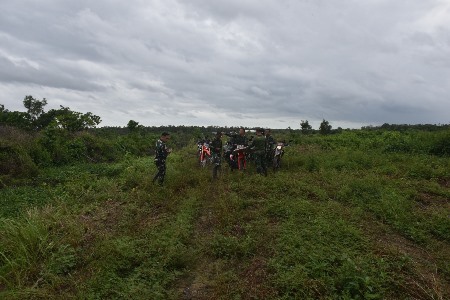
33, 255
346, 217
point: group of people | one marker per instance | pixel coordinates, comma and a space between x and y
259, 148
237, 150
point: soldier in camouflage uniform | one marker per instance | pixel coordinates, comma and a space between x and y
258, 148
270, 146
216, 152
161, 153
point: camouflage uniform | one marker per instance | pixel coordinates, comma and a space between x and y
161, 153
216, 151
259, 154
240, 140
270, 143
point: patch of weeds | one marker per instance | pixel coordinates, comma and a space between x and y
138, 269
110, 170
318, 254
227, 246
360, 191
148, 260
62, 260
427, 167
439, 224
135, 174
32, 252
120, 255
89, 190
13, 202
387, 204
312, 164
277, 210
421, 171
388, 170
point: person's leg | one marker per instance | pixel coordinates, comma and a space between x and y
162, 174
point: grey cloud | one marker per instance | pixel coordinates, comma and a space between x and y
27, 72
231, 61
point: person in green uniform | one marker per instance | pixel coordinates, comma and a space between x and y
258, 148
161, 153
270, 146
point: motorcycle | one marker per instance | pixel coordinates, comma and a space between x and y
228, 155
278, 154
235, 156
240, 156
204, 153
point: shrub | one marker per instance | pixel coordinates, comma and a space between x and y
92, 148
441, 145
15, 163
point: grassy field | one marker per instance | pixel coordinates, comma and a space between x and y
342, 219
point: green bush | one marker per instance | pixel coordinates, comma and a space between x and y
441, 145
95, 149
15, 163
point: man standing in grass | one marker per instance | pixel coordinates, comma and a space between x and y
161, 153
258, 148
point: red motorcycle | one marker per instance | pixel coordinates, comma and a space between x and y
240, 153
204, 153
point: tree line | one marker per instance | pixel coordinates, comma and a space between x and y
36, 118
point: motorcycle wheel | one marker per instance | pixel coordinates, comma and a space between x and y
203, 163
276, 162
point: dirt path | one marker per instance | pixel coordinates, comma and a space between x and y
217, 276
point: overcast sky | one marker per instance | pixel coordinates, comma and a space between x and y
269, 63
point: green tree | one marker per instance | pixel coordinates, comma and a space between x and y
325, 127
34, 108
14, 118
69, 120
132, 125
3, 114
305, 127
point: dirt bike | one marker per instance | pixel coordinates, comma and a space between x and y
278, 154
235, 156
240, 156
228, 156
204, 153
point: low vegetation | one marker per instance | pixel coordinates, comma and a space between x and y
358, 214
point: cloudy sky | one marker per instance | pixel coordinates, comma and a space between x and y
269, 63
